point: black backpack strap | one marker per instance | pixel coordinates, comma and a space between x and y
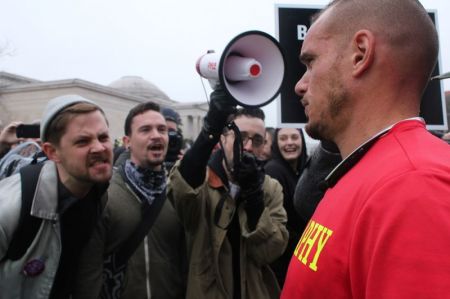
114, 264
37, 156
149, 215
28, 225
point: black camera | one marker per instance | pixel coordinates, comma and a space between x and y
28, 131
175, 145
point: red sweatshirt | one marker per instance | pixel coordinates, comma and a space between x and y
383, 231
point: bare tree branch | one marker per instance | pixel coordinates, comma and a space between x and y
6, 49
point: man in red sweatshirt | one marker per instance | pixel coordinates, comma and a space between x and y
382, 228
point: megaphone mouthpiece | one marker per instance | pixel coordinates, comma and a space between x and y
239, 68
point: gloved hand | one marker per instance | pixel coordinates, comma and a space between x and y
220, 108
249, 174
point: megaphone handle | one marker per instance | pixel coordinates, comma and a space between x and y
214, 83
238, 148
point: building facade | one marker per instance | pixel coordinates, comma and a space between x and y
24, 99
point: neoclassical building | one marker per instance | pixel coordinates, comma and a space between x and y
24, 99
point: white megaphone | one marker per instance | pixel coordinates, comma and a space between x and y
251, 68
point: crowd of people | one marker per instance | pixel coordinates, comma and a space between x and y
244, 211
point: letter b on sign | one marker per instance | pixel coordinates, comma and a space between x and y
301, 32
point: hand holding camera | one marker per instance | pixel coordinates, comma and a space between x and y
175, 146
249, 174
8, 136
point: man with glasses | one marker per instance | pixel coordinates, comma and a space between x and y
232, 212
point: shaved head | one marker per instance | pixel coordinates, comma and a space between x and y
403, 25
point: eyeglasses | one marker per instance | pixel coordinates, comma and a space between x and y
257, 140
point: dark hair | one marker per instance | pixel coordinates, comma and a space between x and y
172, 115
271, 131
249, 112
139, 109
58, 124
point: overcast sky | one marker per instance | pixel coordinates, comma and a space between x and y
103, 40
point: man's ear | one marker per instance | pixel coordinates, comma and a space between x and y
363, 50
50, 151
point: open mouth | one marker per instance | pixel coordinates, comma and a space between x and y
157, 147
97, 162
290, 150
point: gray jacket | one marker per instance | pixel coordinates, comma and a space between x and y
47, 244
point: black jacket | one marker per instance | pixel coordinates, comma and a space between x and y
279, 169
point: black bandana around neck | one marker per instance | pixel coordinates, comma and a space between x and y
149, 183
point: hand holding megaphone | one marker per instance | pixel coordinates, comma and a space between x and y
250, 69
220, 108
